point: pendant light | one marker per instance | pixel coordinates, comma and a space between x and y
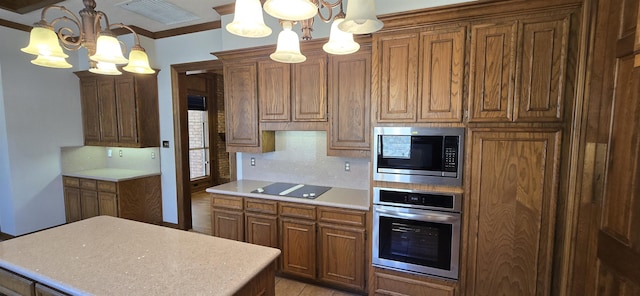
288, 47
340, 42
51, 62
108, 49
248, 20
43, 43
292, 10
138, 61
361, 18
105, 68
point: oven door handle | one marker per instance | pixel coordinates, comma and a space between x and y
427, 216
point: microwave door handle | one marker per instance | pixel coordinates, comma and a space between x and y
428, 217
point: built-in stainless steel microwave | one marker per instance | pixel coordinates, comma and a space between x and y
418, 155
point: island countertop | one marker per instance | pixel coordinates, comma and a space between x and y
336, 197
112, 256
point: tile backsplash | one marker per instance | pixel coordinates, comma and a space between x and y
301, 157
93, 157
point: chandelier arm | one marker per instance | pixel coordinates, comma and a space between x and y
135, 35
96, 25
330, 6
65, 34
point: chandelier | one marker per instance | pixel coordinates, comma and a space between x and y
103, 49
248, 21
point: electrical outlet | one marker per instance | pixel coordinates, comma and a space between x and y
109, 153
153, 155
253, 161
120, 153
347, 166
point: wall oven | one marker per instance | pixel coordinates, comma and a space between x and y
416, 231
418, 155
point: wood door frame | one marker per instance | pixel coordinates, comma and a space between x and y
178, 91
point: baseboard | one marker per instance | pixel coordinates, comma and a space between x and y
4, 236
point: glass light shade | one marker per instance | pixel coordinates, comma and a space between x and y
108, 50
138, 62
248, 20
44, 42
291, 10
105, 69
361, 18
340, 42
288, 47
51, 62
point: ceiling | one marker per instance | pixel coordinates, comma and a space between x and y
29, 11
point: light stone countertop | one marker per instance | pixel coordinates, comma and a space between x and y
336, 197
112, 256
111, 174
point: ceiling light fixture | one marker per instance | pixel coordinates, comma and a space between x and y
103, 49
248, 21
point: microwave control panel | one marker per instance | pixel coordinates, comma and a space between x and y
450, 154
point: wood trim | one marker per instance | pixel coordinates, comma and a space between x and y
4, 236
12, 25
25, 6
170, 225
623, 259
188, 30
225, 9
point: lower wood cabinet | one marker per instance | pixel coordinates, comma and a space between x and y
323, 244
389, 282
14, 284
137, 199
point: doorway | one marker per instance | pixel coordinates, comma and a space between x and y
201, 157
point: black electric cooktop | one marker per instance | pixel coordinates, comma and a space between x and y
292, 190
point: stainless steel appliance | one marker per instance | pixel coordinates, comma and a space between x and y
418, 155
417, 231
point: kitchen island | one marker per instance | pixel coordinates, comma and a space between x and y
112, 256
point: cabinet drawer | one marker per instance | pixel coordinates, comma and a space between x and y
226, 202
11, 284
297, 211
71, 182
387, 284
341, 216
261, 206
105, 186
42, 290
88, 184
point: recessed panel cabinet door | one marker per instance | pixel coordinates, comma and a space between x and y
512, 205
89, 97
108, 204
72, 207
241, 104
127, 110
398, 78
542, 69
274, 91
262, 230
299, 247
89, 203
491, 82
310, 89
107, 111
442, 70
228, 224
342, 255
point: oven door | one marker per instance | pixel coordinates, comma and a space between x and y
415, 240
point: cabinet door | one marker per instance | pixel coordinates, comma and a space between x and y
262, 230
350, 87
72, 208
107, 111
13, 284
310, 89
512, 205
90, 118
387, 282
127, 110
108, 204
491, 83
342, 255
241, 105
274, 91
89, 203
299, 247
542, 69
397, 77
228, 224
441, 75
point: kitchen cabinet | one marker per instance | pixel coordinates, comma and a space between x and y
261, 222
298, 229
227, 217
512, 197
136, 199
419, 75
14, 284
241, 110
274, 91
393, 283
349, 104
120, 111
518, 69
341, 248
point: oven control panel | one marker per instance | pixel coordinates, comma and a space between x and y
418, 199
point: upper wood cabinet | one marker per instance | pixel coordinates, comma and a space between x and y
518, 70
241, 110
418, 75
293, 92
349, 104
120, 111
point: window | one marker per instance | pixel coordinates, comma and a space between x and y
199, 166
